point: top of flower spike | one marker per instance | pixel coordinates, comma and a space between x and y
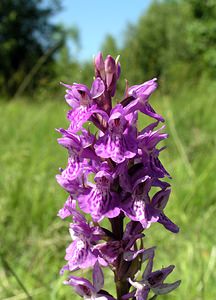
108, 70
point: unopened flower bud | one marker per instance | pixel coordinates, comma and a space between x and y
110, 69
99, 66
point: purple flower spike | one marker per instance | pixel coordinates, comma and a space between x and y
115, 176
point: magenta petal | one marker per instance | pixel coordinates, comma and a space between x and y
90, 261
145, 89
70, 186
160, 199
97, 88
74, 281
110, 250
128, 296
78, 117
115, 148
81, 285
69, 205
131, 255
98, 204
73, 169
149, 111
167, 223
98, 278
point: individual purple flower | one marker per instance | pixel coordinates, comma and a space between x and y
151, 280
79, 150
148, 139
83, 102
159, 202
119, 141
138, 207
98, 199
81, 254
79, 95
86, 289
138, 99
148, 153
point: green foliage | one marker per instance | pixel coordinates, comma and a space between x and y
158, 40
172, 33
202, 33
109, 46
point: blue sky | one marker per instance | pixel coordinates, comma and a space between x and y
96, 18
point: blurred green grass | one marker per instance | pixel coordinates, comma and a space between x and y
33, 239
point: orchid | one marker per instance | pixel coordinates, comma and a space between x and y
113, 172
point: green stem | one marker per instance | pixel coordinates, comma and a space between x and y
117, 226
122, 285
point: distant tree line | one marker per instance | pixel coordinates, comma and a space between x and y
26, 36
173, 40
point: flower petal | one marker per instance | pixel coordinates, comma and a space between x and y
166, 288
98, 278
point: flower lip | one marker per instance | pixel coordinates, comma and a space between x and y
103, 179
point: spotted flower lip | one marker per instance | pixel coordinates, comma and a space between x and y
138, 207
99, 200
113, 172
81, 254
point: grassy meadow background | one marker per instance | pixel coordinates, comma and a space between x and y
33, 239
